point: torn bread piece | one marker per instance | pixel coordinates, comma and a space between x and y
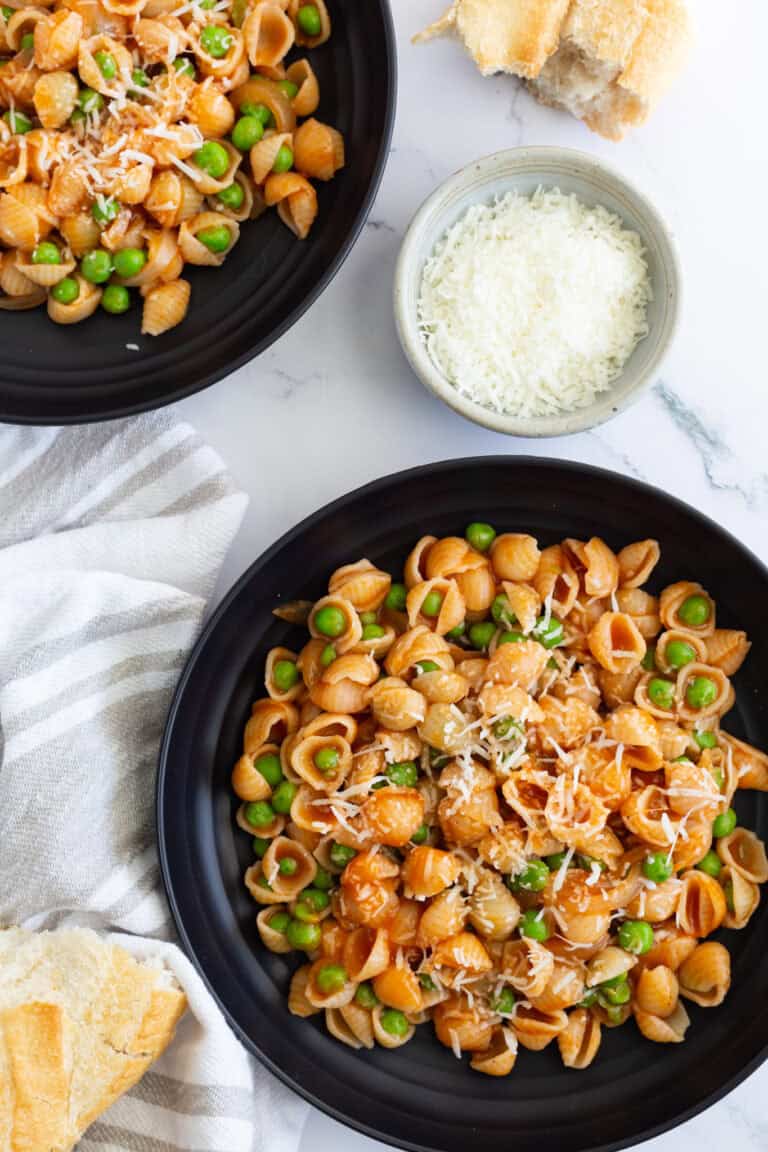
607, 62
80, 1023
513, 36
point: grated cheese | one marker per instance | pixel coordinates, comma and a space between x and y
532, 306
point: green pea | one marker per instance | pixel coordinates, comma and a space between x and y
395, 600
724, 823
107, 64
18, 122
368, 618
615, 997
504, 1002
247, 132
326, 760
115, 299
589, 998
216, 41
531, 926
66, 291
506, 726
705, 739
421, 834
139, 78
456, 633
615, 1014
480, 635
287, 866
657, 867
648, 662
283, 160
216, 238
288, 88
615, 981
586, 862
232, 197
701, 692
427, 982
307, 937
283, 797
678, 653
105, 210
373, 632
404, 775
328, 655
365, 995
285, 675
90, 101
212, 158
28, 42
661, 693
259, 814
719, 779
340, 855
501, 610
556, 861
206, 5
279, 921
259, 112
315, 899
437, 758
309, 21
96, 266
331, 978
394, 1022
549, 634
330, 621
260, 846
636, 936
46, 253
323, 880
728, 890
480, 535
711, 864
129, 262
432, 604
534, 877
184, 66
511, 638
7, 13
695, 611
269, 767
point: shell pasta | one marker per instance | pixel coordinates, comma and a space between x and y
497, 796
138, 136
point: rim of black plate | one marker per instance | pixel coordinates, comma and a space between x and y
372, 488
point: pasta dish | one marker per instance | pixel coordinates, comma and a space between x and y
139, 135
497, 795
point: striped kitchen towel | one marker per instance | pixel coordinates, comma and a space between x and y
111, 541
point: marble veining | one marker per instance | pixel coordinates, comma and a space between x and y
333, 404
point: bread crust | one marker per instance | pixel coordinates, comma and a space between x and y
513, 36
80, 1022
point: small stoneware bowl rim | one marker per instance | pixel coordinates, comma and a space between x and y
517, 162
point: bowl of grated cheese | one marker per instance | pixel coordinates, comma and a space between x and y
537, 292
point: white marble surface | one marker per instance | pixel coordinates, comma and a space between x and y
333, 404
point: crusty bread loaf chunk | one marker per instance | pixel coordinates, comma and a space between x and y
80, 1023
607, 62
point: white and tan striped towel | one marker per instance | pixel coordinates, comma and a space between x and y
111, 540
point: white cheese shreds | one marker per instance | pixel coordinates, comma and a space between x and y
533, 305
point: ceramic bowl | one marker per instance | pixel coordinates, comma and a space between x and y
524, 170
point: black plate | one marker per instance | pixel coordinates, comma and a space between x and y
420, 1097
61, 375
